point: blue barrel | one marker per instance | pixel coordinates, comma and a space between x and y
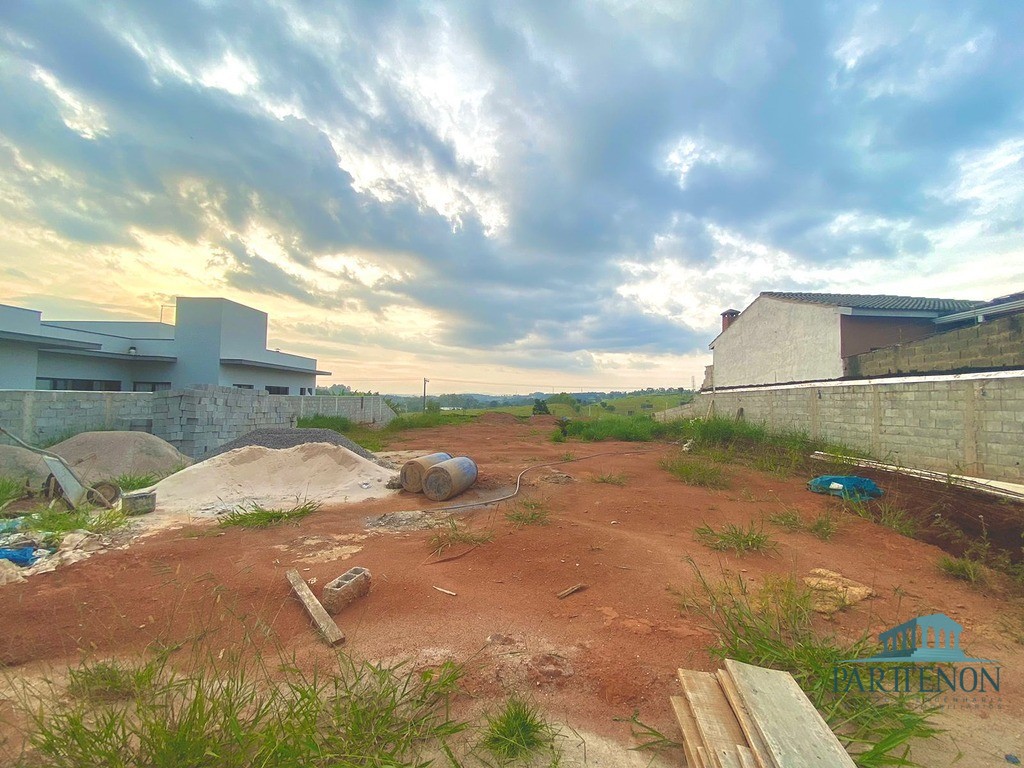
414, 470
449, 478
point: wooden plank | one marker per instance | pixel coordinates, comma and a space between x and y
716, 722
794, 733
703, 759
746, 756
756, 744
571, 590
691, 737
328, 628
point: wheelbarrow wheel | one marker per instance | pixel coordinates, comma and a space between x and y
103, 494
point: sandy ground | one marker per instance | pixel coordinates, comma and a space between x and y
590, 659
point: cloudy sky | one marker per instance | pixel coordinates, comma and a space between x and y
505, 196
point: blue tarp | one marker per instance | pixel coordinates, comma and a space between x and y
848, 486
23, 556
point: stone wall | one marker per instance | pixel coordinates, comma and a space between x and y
997, 343
195, 421
970, 424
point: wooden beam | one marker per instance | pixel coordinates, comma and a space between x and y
757, 746
691, 737
716, 722
328, 628
746, 756
794, 733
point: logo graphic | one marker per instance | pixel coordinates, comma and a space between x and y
934, 638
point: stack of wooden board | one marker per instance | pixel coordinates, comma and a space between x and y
749, 717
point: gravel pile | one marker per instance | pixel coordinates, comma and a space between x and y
284, 437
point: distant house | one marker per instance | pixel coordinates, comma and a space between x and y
213, 341
791, 337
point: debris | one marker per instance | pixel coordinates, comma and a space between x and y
499, 639
847, 486
449, 478
446, 591
10, 573
23, 556
414, 470
831, 591
571, 590
323, 621
352, 584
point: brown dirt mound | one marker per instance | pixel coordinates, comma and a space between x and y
99, 456
18, 464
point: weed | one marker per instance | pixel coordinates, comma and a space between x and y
568, 456
609, 478
107, 681
694, 470
135, 482
963, 568
788, 518
452, 535
632, 429
824, 526
10, 490
527, 512
258, 516
892, 517
774, 627
517, 731
734, 537
55, 524
650, 738
375, 439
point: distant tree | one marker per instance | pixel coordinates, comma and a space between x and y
433, 406
540, 408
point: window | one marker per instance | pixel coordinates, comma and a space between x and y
277, 390
79, 385
151, 386
242, 386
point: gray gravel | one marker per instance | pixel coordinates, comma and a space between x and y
289, 438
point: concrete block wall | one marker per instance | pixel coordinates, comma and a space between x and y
195, 421
997, 343
970, 424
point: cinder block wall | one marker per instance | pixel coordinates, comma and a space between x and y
195, 421
968, 425
998, 343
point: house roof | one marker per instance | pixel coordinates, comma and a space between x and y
883, 301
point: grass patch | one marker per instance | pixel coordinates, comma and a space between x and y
135, 482
964, 569
694, 470
736, 538
896, 519
377, 439
354, 714
609, 478
631, 429
774, 626
55, 524
107, 681
517, 731
451, 535
257, 516
824, 526
788, 518
527, 512
10, 490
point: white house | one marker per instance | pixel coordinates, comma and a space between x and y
789, 337
213, 341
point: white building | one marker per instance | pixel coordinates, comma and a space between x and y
790, 337
213, 341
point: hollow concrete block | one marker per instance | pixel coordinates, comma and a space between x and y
352, 584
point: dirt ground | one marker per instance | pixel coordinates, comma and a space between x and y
589, 659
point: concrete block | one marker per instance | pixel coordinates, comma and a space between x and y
352, 584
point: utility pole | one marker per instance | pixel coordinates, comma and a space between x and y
425, 395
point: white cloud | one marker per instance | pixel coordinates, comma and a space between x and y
690, 151
85, 119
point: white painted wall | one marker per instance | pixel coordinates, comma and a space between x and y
775, 341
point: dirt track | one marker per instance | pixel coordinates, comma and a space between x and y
597, 655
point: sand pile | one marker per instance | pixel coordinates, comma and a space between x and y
99, 456
273, 478
19, 463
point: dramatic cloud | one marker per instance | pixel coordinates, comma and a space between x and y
521, 193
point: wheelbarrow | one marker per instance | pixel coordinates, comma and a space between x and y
64, 485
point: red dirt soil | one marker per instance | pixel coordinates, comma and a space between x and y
594, 656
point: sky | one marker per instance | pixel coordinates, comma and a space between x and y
505, 197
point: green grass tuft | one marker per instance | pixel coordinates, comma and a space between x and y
257, 516
788, 518
517, 731
450, 535
57, 523
736, 538
695, 470
108, 681
610, 478
527, 512
10, 490
774, 626
824, 526
129, 482
964, 569
897, 519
